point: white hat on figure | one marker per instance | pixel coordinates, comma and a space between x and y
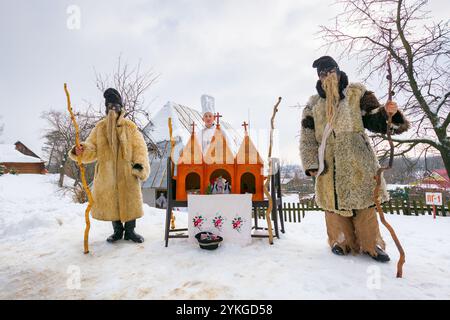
207, 104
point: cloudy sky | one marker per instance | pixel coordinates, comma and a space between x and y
244, 53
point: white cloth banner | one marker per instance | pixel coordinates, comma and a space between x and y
227, 215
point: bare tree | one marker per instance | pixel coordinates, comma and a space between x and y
420, 49
132, 83
60, 137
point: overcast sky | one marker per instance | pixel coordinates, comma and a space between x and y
244, 53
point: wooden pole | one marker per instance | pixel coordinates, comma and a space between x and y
266, 185
172, 165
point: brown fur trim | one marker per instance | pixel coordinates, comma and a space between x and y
308, 122
357, 234
308, 172
367, 231
400, 122
340, 231
325, 167
308, 143
368, 102
376, 121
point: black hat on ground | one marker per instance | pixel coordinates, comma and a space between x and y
325, 63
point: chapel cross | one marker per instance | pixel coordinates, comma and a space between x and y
217, 116
245, 124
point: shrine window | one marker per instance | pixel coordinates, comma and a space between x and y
248, 183
192, 183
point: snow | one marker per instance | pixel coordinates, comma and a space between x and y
8, 153
290, 197
397, 186
42, 241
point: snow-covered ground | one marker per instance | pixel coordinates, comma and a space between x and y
41, 232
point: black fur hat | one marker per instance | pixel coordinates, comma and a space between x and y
325, 63
112, 96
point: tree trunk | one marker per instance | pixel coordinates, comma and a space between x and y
62, 170
445, 154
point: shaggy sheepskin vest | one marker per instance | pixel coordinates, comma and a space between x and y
347, 183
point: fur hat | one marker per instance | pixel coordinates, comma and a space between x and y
112, 96
325, 63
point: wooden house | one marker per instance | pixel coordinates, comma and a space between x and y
19, 158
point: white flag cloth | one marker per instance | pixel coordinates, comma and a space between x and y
226, 215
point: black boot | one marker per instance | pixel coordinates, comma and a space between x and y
130, 234
381, 255
118, 232
338, 250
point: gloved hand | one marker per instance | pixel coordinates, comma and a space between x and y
137, 170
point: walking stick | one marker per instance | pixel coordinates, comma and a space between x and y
82, 173
172, 145
266, 185
401, 259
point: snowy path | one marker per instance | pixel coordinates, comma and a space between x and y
41, 234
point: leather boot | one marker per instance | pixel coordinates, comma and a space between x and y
381, 256
130, 234
118, 232
337, 250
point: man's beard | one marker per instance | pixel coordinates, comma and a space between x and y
331, 87
111, 131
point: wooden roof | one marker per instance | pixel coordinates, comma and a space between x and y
219, 152
248, 154
192, 152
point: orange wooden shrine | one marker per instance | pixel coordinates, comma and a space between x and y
195, 170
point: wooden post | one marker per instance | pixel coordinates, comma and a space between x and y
391, 210
293, 212
448, 207
397, 205
415, 208
422, 207
405, 208
298, 212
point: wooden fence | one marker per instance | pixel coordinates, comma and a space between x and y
295, 212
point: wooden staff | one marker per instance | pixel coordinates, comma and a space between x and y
172, 146
82, 173
377, 178
266, 185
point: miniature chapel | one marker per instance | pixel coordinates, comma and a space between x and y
218, 170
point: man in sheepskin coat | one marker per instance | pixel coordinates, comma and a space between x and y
122, 164
335, 148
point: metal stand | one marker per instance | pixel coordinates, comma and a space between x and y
275, 191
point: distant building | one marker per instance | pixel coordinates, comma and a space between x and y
436, 179
18, 157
